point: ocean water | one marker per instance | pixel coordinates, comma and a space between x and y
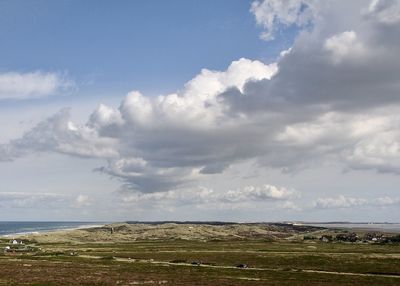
388, 227
18, 227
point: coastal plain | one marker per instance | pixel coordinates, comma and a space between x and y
198, 254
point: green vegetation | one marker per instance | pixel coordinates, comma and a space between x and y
258, 261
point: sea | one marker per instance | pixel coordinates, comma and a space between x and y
385, 227
8, 228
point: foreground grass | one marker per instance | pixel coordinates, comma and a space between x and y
204, 263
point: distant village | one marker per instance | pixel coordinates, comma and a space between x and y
369, 237
15, 246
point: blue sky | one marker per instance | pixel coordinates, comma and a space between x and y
204, 110
151, 46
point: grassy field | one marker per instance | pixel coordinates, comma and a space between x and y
212, 262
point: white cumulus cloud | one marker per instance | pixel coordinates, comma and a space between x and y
304, 109
207, 198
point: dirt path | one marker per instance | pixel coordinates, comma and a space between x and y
120, 259
310, 252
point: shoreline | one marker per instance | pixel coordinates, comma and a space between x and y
52, 230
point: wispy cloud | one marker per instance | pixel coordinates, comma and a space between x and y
26, 200
31, 200
16, 85
274, 13
342, 201
339, 202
